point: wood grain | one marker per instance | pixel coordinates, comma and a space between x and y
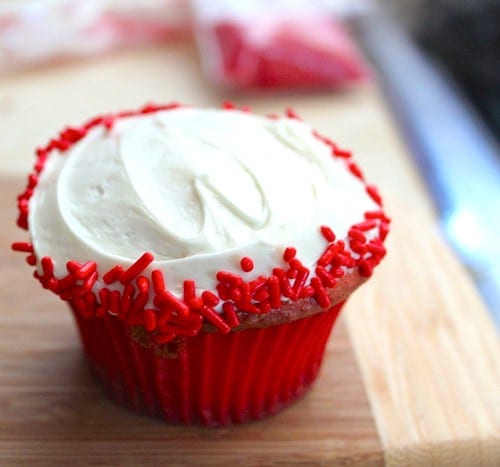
428, 349
430, 355
52, 413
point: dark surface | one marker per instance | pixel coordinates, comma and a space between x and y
457, 156
465, 37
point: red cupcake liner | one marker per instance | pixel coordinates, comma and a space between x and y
210, 379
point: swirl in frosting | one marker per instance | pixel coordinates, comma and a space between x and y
198, 189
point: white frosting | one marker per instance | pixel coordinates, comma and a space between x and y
199, 189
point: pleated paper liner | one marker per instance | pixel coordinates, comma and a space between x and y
210, 379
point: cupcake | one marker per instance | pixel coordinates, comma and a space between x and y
205, 254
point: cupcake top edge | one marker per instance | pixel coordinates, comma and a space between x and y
193, 208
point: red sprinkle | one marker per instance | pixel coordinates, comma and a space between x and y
209, 298
137, 305
292, 273
112, 275
135, 269
365, 269
337, 273
41, 153
230, 313
85, 270
235, 294
326, 278
225, 276
355, 170
246, 293
73, 266
384, 230
189, 291
248, 307
327, 232
366, 225
48, 267
108, 121
264, 307
246, 264
32, 181
285, 286
261, 296
374, 194
223, 290
174, 302
274, 292
150, 108
307, 292
52, 285
325, 140
94, 122
25, 247
142, 284
299, 283
149, 320
31, 260
290, 113
158, 281
257, 284
67, 282
73, 134
193, 320
104, 298
376, 248
164, 315
296, 264
355, 234
22, 220
126, 300
89, 282
342, 153
289, 253
59, 144
211, 315
357, 247
196, 303
328, 255
320, 293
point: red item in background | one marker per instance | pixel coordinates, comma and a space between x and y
303, 52
33, 32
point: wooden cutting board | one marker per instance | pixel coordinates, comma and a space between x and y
412, 372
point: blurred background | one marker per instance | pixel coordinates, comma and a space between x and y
462, 35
